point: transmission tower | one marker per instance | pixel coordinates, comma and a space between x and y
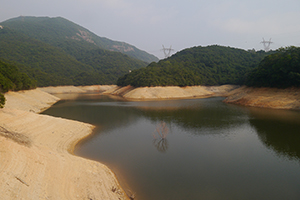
267, 44
167, 51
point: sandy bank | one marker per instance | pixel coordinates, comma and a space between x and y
35, 162
266, 97
30, 100
77, 89
170, 92
257, 97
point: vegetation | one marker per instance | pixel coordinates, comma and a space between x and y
2, 100
47, 50
280, 70
43, 51
64, 34
111, 64
162, 74
12, 79
211, 65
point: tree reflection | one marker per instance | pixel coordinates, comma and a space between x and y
278, 130
194, 115
160, 137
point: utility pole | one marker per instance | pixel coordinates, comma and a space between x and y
267, 44
167, 51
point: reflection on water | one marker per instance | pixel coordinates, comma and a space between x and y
161, 144
94, 109
185, 113
278, 130
160, 137
191, 149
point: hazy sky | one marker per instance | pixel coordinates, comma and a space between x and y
149, 24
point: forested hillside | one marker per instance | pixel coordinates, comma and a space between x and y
12, 79
211, 65
71, 37
48, 53
280, 70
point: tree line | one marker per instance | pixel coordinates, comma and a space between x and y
12, 79
280, 70
211, 65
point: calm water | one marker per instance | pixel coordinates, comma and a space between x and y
212, 150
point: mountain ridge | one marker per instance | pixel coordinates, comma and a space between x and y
54, 51
47, 28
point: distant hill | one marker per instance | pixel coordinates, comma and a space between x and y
55, 51
60, 32
279, 70
211, 65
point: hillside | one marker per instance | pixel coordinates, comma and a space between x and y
12, 79
62, 33
211, 65
279, 70
52, 57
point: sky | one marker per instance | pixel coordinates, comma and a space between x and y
180, 24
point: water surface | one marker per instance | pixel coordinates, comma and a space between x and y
212, 150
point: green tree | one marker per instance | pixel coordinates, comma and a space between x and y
12, 79
211, 65
279, 70
2, 100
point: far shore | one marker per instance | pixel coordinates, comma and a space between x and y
274, 98
36, 160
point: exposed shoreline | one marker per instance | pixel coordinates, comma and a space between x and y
170, 92
274, 98
36, 160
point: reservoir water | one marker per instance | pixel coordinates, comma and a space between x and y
191, 149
